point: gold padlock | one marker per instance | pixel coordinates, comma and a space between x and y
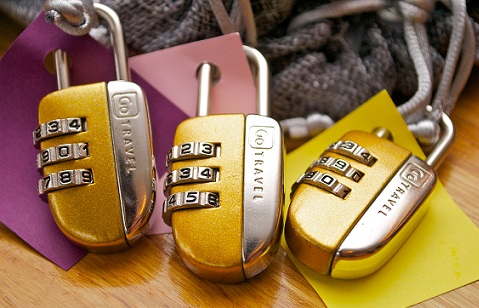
97, 156
225, 189
357, 204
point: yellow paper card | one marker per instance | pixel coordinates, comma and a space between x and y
439, 256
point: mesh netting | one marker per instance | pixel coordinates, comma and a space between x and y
328, 66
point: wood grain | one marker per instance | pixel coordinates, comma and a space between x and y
152, 274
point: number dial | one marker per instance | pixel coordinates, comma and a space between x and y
58, 127
353, 150
190, 175
191, 150
339, 166
65, 179
189, 200
324, 181
62, 152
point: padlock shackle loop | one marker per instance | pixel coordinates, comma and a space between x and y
448, 134
261, 78
208, 74
62, 69
117, 40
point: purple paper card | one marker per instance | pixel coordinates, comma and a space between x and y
24, 81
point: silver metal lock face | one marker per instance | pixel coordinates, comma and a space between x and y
96, 153
357, 204
226, 183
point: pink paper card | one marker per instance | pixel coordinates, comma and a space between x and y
173, 72
24, 81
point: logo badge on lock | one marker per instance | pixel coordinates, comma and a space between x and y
125, 105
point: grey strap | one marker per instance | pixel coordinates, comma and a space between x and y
334, 10
75, 17
413, 17
421, 111
222, 16
231, 23
460, 35
306, 33
312, 125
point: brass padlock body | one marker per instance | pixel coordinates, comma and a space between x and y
225, 191
216, 243
319, 222
94, 216
210, 240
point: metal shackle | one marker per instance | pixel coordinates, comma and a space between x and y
117, 40
448, 134
438, 153
61, 69
208, 74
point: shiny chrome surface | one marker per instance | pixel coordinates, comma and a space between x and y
61, 69
207, 74
389, 212
263, 192
438, 154
131, 134
263, 189
133, 152
117, 40
261, 75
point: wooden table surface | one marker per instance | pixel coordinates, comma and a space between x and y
151, 273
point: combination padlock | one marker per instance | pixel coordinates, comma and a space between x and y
224, 190
96, 154
358, 203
